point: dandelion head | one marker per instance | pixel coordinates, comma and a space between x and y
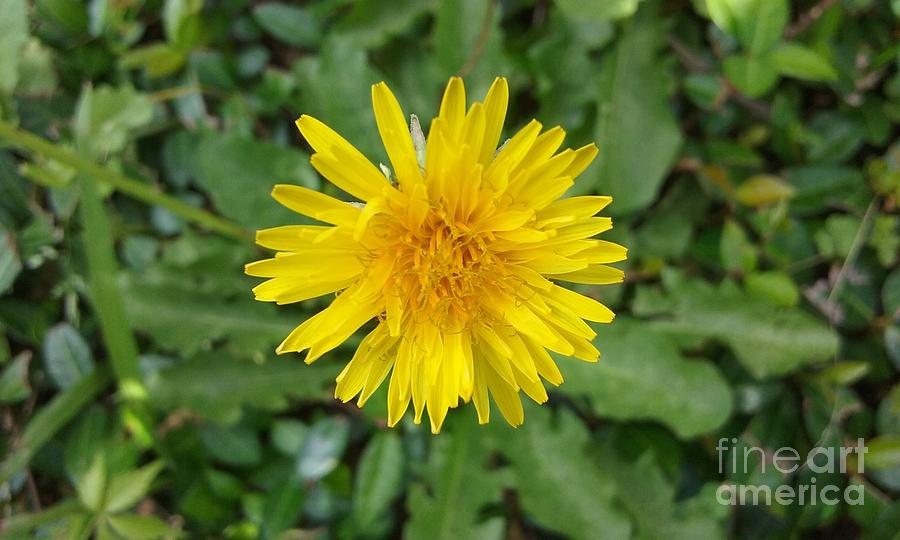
456, 252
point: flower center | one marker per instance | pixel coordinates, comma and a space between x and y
444, 269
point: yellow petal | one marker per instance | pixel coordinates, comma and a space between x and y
583, 158
495, 104
594, 274
395, 135
315, 205
453, 107
340, 162
584, 307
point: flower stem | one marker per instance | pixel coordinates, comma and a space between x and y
129, 186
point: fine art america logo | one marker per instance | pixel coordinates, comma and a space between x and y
740, 460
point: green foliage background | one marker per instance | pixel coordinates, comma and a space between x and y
751, 150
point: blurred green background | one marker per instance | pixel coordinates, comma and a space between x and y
751, 149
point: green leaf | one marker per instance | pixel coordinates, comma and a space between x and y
143, 527
106, 117
85, 439
156, 59
641, 375
338, 92
237, 383
18, 525
181, 22
239, 175
548, 457
50, 419
379, 480
289, 436
14, 385
370, 23
650, 498
91, 485
13, 36
884, 452
458, 42
736, 251
169, 308
458, 486
291, 24
598, 10
234, 445
801, 62
890, 295
762, 190
777, 286
10, 264
636, 130
66, 355
758, 24
283, 506
126, 489
752, 76
767, 340
323, 447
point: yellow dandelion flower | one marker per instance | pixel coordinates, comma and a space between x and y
457, 255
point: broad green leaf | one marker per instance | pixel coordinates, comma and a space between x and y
283, 506
91, 485
598, 10
460, 45
379, 480
13, 36
143, 527
66, 355
126, 489
156, 59
777, 286
289, 436
752, 76
239, 175
736, 251
234, 445
50, 419
548, 456
650, 498
10, 264
323, 448
86, 438
37, 73
884, 452
763, 190
758, 24
636, 130
566, 74
890, 295
181, 22
458, 486
182, 318
336, 88
291, 24
767, 340
801, 62
237, 382
372, 22
106, 117
14, 385
19, 525
641, 375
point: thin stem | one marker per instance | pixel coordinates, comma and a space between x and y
129, 186
481, 42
